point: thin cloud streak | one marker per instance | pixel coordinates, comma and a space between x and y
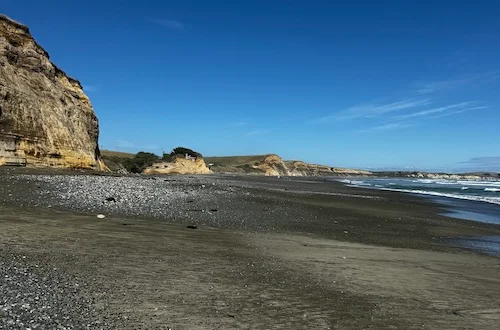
391, 126
451, 113
386, 127
446, 85
456, 108
437, 86
168, 23
371, 111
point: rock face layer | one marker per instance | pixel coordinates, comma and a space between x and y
179, 166
45, 117
273, 165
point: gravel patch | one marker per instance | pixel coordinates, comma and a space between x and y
218, 201
124, 196
36, 296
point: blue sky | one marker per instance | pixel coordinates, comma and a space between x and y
364, 84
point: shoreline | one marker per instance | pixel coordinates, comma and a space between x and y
270, 256
425, 193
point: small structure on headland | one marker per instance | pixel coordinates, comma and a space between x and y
180, 161
189, 157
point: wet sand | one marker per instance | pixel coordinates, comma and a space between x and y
267, 254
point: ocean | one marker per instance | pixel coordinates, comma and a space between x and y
484, 191
475, 200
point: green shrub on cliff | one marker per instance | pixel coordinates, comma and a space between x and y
139, 162
181, 151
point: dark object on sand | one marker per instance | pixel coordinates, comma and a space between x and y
213, 210
110, 199
192, 226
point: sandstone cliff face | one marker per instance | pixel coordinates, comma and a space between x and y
273, 165
179, 166
299, 168
45, 117
349, 172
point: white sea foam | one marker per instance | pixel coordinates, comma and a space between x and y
424, 181
355, 182
492, 200
446, 182
459, 189
459, 182
480, 183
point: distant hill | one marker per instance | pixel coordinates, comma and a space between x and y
269, 164
119, 154
235, 160
272, 164
236, 164
116, 161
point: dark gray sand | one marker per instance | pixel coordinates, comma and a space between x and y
267, 253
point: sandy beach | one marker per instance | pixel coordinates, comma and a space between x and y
267, 253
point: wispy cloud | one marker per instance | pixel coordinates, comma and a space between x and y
456, 83
421, 102
385, 127
443, 111
391, 126
373, 110
168, 23
438, 86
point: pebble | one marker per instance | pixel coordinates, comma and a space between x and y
33, 296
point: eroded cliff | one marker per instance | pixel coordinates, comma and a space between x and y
179, 165
45, 117
273, 165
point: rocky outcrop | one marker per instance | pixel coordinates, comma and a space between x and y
45, 117
350, 172
425, 175
445, 176
179, 165
299, 168
272, 165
